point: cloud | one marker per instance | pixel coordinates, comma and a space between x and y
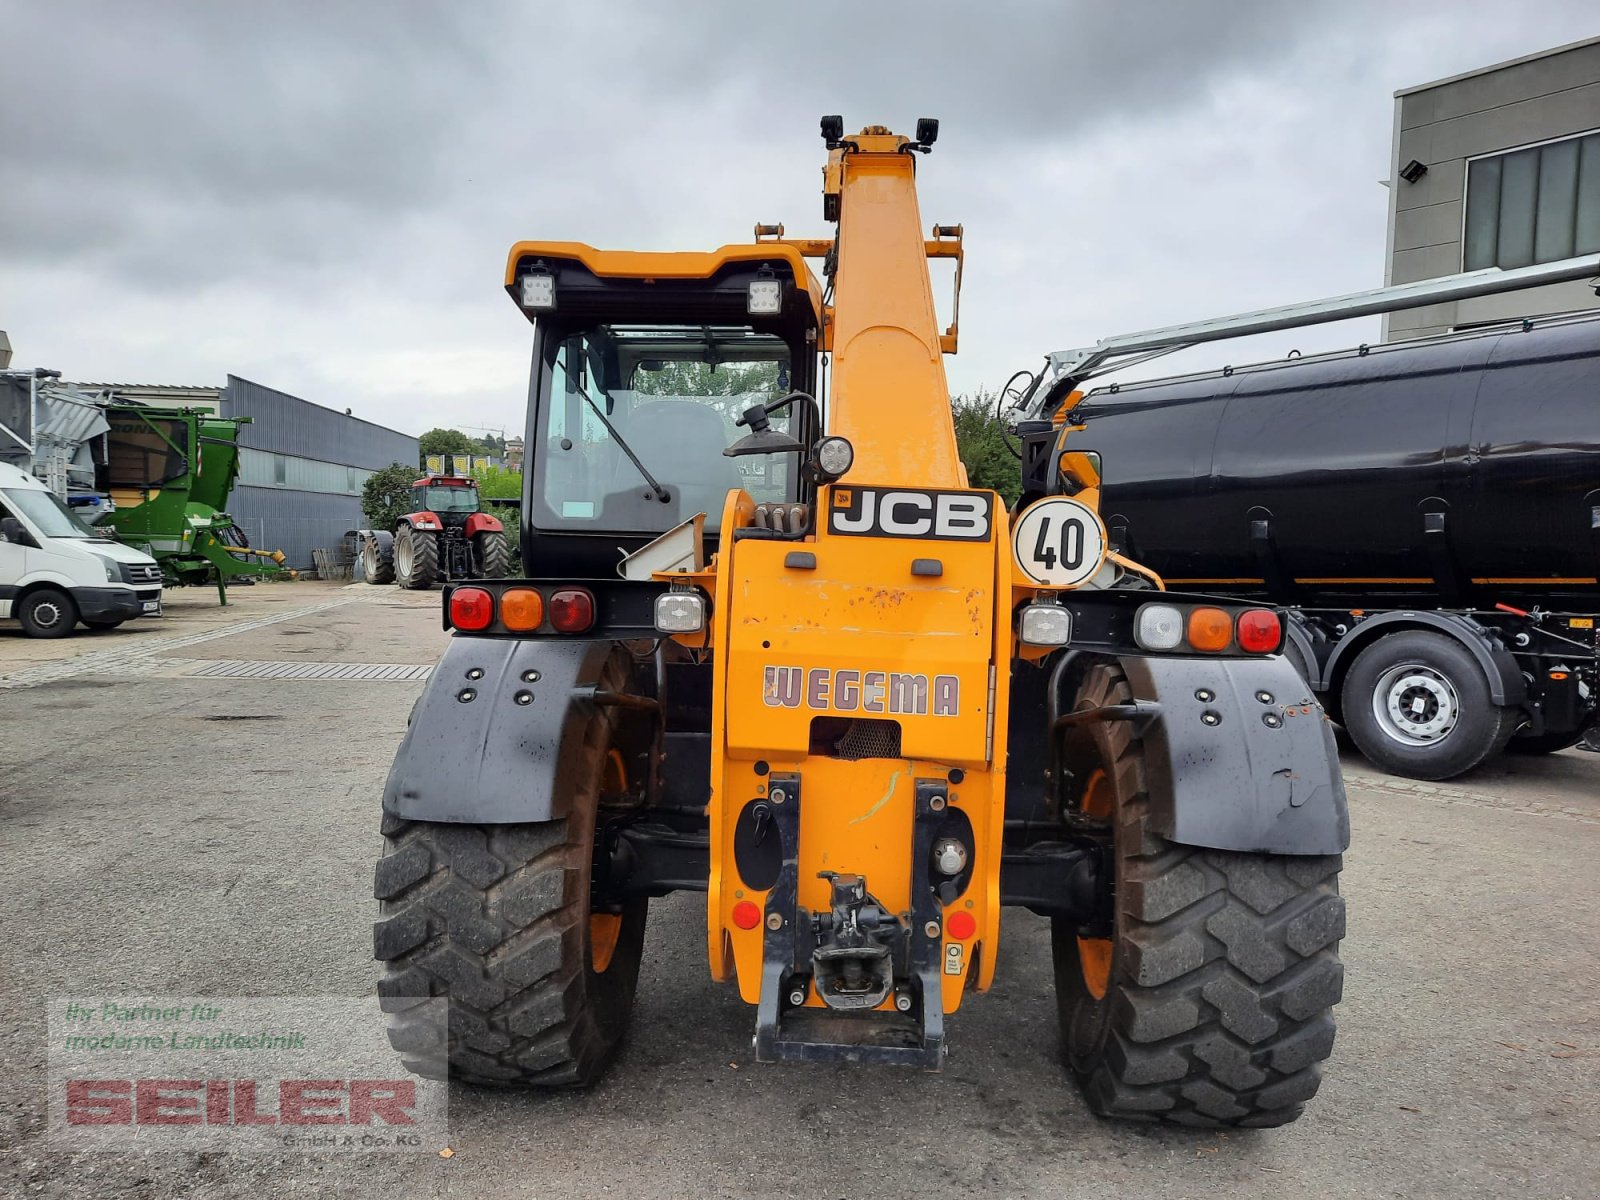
320, 196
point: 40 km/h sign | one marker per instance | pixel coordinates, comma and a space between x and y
1059, 543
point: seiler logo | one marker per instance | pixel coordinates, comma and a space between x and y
234, 1102
862, 691
880, 512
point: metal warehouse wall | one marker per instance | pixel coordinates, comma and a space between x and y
296, 520
289, 425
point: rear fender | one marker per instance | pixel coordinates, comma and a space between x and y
426, 521
481, 522
1235, 780
473, 754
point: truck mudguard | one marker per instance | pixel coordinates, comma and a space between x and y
475, 753
1240, 756
1506, 684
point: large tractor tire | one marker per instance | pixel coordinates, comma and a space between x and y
499, 920
1417, 704
416, 558
494, 555
1208, 999
376, 566
47, 613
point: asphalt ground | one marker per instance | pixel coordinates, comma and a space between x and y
171, 835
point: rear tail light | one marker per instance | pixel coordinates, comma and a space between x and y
471, 609
1210, 629
1158, 627
521, 610
571, 610
1260, 631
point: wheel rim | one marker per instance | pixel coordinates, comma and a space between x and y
606, 928
402, 554
1415, 705
47, 614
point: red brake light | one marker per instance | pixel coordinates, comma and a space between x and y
571, 610
471, 609
1260, 631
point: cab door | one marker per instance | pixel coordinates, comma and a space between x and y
13, 566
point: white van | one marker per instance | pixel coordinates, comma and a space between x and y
56, 571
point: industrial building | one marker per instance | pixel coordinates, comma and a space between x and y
1498, 167
301, 468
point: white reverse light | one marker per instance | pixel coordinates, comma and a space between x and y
539, 290
1158, 627
1045, 625
680, 612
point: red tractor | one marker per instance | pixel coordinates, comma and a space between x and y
446, 536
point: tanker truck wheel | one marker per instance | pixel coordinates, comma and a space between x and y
416, 558
1417, 704
375, 566
1208, 999
499, 920
494, 555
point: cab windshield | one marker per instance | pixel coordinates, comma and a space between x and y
670, 394
449, 499
48, 515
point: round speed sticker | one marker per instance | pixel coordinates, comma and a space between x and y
1059, 542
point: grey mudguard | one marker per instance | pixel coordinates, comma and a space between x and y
488, 759
1256, 775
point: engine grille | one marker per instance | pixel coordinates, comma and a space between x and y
141, 573
870, 738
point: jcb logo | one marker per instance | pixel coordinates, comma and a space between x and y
879, 512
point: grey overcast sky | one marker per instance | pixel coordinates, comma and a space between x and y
320, 195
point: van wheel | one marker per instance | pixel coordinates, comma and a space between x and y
47, 613
1417, 704
1208, 997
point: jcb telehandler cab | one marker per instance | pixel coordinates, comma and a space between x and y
774, 647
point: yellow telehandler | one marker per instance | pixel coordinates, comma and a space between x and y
773, 646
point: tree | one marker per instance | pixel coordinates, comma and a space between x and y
446, 442
982, 446
386, 496
498, 483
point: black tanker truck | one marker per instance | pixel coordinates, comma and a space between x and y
1430, 512
1427, 512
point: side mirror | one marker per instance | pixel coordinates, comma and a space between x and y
12, 531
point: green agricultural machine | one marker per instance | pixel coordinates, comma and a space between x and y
168, 473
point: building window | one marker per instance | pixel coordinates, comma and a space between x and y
280, 469
1535, 205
